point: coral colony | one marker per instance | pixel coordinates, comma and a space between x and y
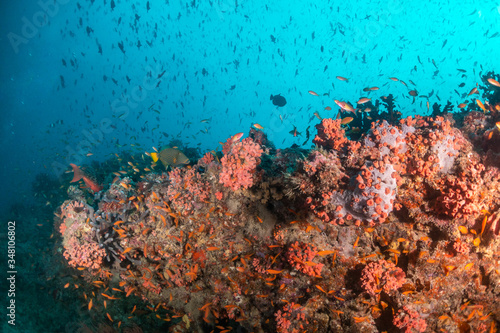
396, 229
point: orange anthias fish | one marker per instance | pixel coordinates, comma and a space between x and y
494, 82
481, 105
237, 137
346, 120
78, 174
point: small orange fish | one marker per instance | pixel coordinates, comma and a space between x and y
127, 250
328, 108
473, 91
462, 105
346, 120
342, 78
237, 137
324, 253
413, 93
355, 243
498, 125
258, 126
364, 100
360, 319
468, 266
312, 93
273, 271
321, 289
394, 79
494, 82
481, 105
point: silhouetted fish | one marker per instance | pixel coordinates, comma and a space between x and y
278, 100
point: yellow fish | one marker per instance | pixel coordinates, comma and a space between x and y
170, 156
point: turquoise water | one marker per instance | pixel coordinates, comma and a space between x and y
259, 48
84, 80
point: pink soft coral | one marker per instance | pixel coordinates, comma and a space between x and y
239, 165
382, 275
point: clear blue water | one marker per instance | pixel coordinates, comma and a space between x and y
259, 48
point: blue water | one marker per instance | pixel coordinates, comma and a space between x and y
81, 80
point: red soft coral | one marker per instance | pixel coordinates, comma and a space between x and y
330, 134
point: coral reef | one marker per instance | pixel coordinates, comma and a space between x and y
395, 231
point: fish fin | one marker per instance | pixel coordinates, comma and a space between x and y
154, 156
78, 174
271, 97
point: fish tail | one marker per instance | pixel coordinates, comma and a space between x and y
78, 174
154, 156
271, 97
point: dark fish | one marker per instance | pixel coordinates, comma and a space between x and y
120, 45
278, 100
161, 74
307, 135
